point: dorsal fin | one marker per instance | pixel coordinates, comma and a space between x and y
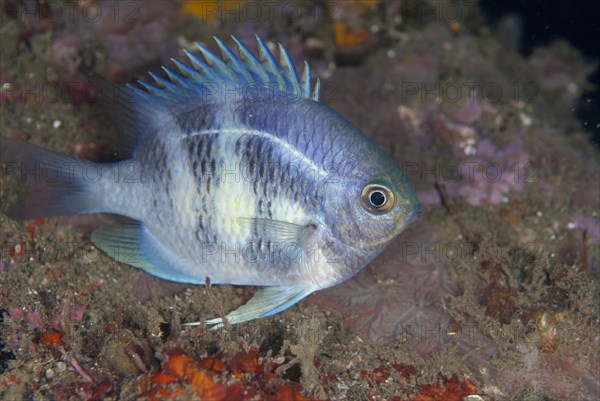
207, 78
289, 72
210, 73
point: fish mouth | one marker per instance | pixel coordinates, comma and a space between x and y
413, 215
402, 221
410, 217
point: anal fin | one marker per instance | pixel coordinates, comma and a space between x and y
132, 243
266, 301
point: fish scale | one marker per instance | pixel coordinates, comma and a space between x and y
199, 145
318, 203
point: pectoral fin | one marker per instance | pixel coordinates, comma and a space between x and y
277, 230
292, 237
266, 301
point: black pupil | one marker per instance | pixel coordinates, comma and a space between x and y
377, 198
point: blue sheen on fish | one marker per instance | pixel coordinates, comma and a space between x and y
234, 171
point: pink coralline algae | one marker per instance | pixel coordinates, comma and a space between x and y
27, 320
27, 316
482, 173
133, 33
501, 171
469, 113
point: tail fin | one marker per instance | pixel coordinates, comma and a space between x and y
55, 184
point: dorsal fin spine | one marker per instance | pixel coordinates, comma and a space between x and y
186, 70
176, 78
153, 90
230, 69
161, 82
251, 62
305, 80
201, 66
268, 62
316, 95
234, 62
289, 71
217, 65
137, 92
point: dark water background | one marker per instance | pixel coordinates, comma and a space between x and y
543, 21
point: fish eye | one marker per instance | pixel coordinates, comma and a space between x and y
377, 198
